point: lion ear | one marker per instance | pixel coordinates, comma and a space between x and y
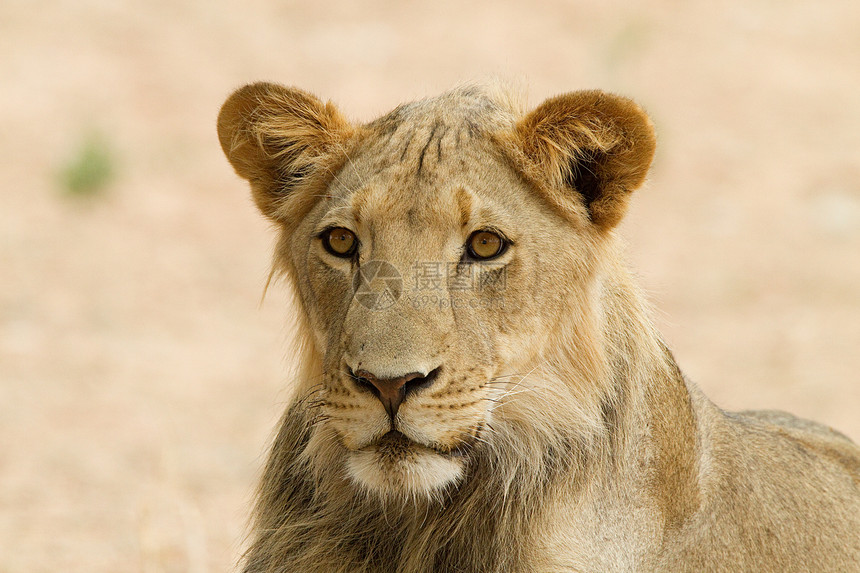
277, 137
597, 144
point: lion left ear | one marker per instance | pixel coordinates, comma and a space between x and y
593, 143
277, 137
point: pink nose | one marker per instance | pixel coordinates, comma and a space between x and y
392, 391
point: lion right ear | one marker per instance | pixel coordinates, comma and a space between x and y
589, 148
277, 138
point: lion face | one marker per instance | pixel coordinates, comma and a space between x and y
428, 308
418, 245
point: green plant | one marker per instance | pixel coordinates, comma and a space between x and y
90, 169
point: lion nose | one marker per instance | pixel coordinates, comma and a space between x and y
392, 391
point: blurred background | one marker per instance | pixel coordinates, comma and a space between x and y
141, 377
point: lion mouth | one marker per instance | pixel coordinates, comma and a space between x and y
396, 444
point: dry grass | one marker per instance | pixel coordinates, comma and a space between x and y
139, 379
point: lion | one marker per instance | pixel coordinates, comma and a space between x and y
480, 386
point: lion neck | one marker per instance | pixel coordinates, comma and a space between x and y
647, 410
625, 401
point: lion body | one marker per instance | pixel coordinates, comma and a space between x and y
559, 434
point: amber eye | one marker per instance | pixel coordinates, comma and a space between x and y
339, 241
484, 245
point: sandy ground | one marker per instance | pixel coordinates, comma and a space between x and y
140, 376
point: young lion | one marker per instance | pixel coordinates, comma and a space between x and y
481, 389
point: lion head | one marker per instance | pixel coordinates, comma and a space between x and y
438, 255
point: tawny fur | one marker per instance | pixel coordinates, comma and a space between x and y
584, 447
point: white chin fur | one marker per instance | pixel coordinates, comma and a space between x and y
420, 473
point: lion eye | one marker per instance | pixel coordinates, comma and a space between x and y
340, 242
484, 245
